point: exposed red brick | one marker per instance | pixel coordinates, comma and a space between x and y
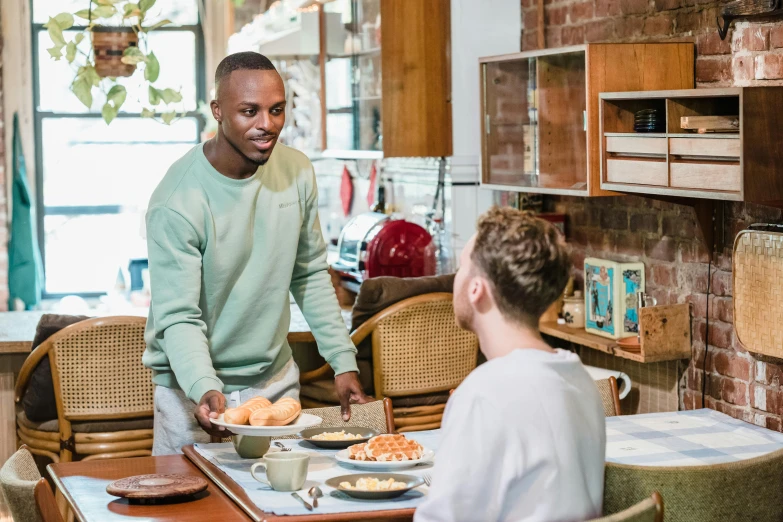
693, 252
711, 44
687, 21
722, 308
529, 40
599, 31
678, 226
698, 304
729, 390
644, 223
530, 19
614, 218
579, 12
721, 283
666, 5
629, 28
663, 248
768, 373
720, 334
664, 275
634, 7
659, 25
766, 399
731, 365
713, 69
750, 38
555, 16
573, 35
776, 37
769, 66
628, 244
605, 8
553, 37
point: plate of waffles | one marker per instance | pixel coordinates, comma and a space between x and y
387, 452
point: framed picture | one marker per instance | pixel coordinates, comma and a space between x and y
610, 297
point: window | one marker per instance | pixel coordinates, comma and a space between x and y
93, 180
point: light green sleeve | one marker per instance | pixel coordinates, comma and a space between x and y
312, 289
175, 279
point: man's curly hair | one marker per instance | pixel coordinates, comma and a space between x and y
525, 259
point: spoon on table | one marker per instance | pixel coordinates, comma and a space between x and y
315, 493
281, 446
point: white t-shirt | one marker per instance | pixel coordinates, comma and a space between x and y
524, 438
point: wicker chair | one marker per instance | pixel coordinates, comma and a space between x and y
648, 510
743, 490
610, 396
27, 494
418, 349
102, 391
376, 415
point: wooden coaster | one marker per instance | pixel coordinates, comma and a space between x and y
156, 486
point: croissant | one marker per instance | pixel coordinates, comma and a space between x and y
241, 414
280, 413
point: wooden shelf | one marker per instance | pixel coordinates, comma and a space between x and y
578, 336
727, 166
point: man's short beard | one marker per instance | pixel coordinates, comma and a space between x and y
260, 163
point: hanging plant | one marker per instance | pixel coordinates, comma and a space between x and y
116, 50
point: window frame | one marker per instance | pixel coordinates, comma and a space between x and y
39, 116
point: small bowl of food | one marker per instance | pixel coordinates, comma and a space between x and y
377, 486
337, 438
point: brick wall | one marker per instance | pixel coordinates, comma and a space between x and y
3, 203
665, 236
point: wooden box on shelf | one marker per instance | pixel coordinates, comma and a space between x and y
539, 118
734, 165
664, 335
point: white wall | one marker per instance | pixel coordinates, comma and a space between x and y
478, 28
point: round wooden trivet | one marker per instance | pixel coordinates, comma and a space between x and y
156, 486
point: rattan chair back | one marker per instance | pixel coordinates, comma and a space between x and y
743, 490
610, 396
97, 369
18, 478
418, 347
375, 415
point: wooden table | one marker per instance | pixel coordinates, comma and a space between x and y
83, 485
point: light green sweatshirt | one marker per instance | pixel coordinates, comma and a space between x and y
223, 255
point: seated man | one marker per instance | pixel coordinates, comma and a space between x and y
524, 434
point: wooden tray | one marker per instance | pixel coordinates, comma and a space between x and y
238, 495
758, 287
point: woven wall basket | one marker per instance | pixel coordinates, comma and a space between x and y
758, 291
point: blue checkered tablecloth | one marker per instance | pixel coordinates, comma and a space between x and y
685, 438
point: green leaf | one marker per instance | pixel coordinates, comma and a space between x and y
56, 52
55, 32
157, 25
82, 88
168, 117
108, 112
78, 38
133, 55
104, 11
146, 113
70, 52
91, 75
64, 20
154, 95
117, 95
146, 5
152, 70
105, 2
170, 96
130, 10
85, 13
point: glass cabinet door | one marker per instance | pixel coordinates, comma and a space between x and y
510, 119
353, 79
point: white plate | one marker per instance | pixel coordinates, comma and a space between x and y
304, 421
342, 458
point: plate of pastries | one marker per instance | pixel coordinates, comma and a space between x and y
385, 452
260, 417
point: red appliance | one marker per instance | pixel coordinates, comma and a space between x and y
372, 245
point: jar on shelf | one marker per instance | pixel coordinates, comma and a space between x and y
574, 310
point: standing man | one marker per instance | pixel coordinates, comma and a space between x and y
231, 229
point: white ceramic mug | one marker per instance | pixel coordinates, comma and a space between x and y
285, 470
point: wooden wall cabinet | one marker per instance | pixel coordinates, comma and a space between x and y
733, 166
540, 123
390, 93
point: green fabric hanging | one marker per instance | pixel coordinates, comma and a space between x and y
25, 270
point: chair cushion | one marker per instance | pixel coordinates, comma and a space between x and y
109, 426
38, 400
